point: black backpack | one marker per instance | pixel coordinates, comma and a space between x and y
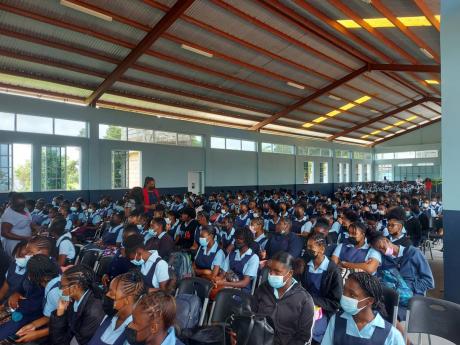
188, 311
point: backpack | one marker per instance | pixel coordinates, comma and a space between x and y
180, 265
392, 279
188, 311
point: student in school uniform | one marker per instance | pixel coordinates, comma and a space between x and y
79, 312
271, 223
155, 311
322, 280
395, 227
357, 254
16, 272
243, 219
322, 227
224, 211
187, 228
172, 223
209, 258
284, 240
257, 228
161, 241
65, 250
242, 261
299, 220
202, 218
118, 304
152, 266
113, 232
361, 321
44, 272
227, 234
65, 212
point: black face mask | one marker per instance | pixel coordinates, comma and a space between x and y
107, 306
353, 241
131, 335
312, 254
239, 245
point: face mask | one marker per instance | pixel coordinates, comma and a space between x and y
65, 298
107, 306
203, 242
353, 241
140, 227
252, 229
239, 245
382, 212
389, 251
425, 204
312, 254
255, 215
21, 262
139, 262
131, 336
167, 221
350, 305
90, 210
433, 203
83, 207
152, 232
408, 213
54, 203
73, 209
276, 282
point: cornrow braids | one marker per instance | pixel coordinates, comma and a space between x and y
318, 238
246, 235
373, 288
159, 305
41, 268
42, 242
131, 284
84, 277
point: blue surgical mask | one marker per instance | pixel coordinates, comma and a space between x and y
350, 305
73, 209
137, 262
203, 242
140, 227
152, 232
22, 262
276, 282
65, 298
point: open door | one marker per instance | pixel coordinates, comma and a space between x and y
196, 182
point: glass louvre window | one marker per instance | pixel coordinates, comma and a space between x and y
233, 144
6, 168
126, 169
427, 154
405, 155
308, 172
189, 140
34, 124
61, 167
111, 132
384, 170
284, 149
247, 145
368, 173
218, 143
140, 135
71, 128
359, 173
22, 167
6, 122
323, 172
267, 147
167, 138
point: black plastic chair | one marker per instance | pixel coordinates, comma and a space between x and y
196, 286
433, 317
263, 275
90, 258
103, 266
391, 300
228, 301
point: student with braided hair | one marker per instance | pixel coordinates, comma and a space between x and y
153, 321
361, 322
45, 273
79, 312
118, 304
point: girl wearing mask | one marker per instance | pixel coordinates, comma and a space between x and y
43, 272
79, 312
287, 303
362, 321
209, 258
274, 213
118, 304
257, 228
322, 279
172, 223
16, 272
357, 254
243, 219
160, 240
153, 321
242, 261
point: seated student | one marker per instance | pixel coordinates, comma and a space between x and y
120, 263
44, 272
78, 215
202, 218
187, 228
257, 228
224, 211
16, 273
243, 218
300, 220
118, 304
322, 227
172, 223
242, 261
227, 234
153, 268
395, 227
346, 218
177, 204
322, 279
65, 250
52, 212
284, 240
274, 218
79, 312
209, 258
39, 214
113, 232
161, 241
64, 211
411, 263
287, 303
362, 321
357, 254
153, 321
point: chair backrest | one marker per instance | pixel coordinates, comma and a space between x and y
434, 316
90, 258
229, 301
263, 275
195, 286
103, 266
391, 300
